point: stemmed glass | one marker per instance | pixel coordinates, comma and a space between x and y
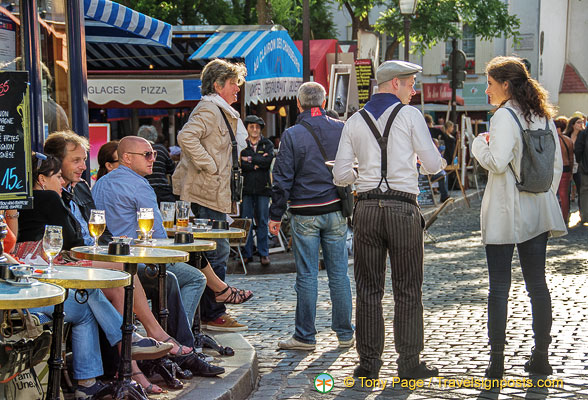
96, 225
145, 220
52, 244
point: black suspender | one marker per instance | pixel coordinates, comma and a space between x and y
382, 140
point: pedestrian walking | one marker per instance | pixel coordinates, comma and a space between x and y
581, 153
386, 137
511, 215
256, 160
302, 179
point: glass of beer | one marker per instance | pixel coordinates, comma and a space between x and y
96, 225
145, 219
182, 214
168, 212
52, 244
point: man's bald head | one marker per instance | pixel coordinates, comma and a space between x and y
136, 153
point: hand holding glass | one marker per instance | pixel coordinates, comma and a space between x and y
97, 225
52, 243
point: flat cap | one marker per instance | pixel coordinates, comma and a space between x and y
253, 119
389, 70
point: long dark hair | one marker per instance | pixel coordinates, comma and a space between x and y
570, 126
48, 167
105, 155
530, 96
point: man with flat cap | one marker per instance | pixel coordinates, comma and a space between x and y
386, 137
256, 160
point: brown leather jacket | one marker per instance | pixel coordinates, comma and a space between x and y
203, 173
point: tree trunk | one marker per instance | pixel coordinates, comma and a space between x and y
264, 12
357, 23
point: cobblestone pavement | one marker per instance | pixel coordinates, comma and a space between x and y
455, 291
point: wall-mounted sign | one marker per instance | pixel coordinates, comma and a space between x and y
436, 92
148, 91
474, 94
15, 141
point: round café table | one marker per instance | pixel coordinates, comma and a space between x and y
124, 386
196, 247
231, 233
79, 278
29, 296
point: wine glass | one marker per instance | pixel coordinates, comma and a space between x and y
96, 225
52, 243
145, 220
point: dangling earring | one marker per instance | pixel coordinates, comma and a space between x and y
42, 186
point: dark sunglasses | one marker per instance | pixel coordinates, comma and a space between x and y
147, 154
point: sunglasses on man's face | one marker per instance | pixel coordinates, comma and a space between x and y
147, 154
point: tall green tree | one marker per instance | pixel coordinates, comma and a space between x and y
287, 13
434, 20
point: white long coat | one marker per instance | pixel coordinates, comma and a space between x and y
510, 216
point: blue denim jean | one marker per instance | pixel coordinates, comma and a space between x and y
85, 318
209, 308
532, 255
329, 231
192, 283
257, 209
179, 323
443, 187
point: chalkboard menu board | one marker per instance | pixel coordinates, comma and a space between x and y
363, 72
15, 141
425, 197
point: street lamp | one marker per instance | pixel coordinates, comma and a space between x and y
407, 8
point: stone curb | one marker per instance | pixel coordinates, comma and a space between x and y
237, 383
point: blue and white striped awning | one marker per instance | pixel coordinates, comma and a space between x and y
274, 64
130, 26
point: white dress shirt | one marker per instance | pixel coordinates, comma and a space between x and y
409, 137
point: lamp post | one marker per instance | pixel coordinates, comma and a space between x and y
407, 8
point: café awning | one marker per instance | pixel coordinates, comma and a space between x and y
274, 64
129, 25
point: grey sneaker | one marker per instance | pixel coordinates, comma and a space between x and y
344, 344
293, 344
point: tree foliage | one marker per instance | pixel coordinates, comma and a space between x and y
287, 13
432, 22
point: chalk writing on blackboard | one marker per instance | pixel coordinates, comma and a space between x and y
15, 145
425, 197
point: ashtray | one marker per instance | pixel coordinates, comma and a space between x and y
183, 237
223, 225
22, 273
120, 246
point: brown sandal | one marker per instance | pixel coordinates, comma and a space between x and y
236, 296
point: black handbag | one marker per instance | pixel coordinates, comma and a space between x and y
344, 192
236, 176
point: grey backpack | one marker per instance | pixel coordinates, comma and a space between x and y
537, 160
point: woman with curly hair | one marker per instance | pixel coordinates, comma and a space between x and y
511, 217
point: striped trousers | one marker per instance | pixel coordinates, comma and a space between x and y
396, 228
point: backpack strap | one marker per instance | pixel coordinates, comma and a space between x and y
310, 129
382, 140
521, 129
233, 141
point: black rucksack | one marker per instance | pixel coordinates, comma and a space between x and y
537, 160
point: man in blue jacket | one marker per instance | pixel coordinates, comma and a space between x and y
302, 179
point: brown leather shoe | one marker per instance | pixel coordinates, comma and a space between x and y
265, 260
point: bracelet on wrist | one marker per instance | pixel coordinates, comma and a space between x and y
12, 216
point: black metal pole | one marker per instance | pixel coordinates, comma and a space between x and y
305, 40
406, 38
55, 359
31, 57
453, 80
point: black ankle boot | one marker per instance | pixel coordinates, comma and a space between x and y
495, 368
538, 363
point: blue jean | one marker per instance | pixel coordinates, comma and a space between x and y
179, 323
257, 208
210, 309
329, 231
532, 255
97, 311
192, 283
443, 187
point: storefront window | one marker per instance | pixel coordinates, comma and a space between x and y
10, 47
54, 65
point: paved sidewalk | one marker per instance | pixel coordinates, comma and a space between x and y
455, 291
